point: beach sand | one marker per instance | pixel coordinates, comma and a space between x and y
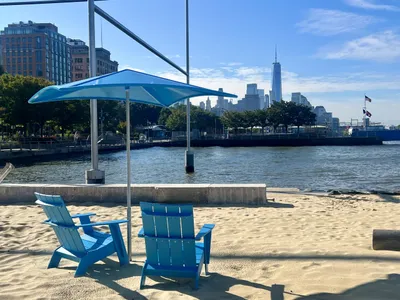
299, 247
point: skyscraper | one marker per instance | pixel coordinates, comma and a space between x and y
266, 101
251, 89
202, 105
276, 93
220, 99
299, 99
208, 104
36, 49
262, 98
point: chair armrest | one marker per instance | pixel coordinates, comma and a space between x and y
141, 233
83, 215
102, 223
206, 229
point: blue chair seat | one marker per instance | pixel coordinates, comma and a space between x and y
96, 240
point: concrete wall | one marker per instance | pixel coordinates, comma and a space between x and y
235, 194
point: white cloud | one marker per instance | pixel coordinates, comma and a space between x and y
383, 47
372, 4
331, 22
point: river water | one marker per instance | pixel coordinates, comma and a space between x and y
322, 168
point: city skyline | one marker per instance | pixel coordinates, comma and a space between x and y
343, 48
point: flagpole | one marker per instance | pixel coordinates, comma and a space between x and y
365, 112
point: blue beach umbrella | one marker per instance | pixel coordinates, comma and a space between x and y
129, 86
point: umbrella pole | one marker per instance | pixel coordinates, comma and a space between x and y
128, 174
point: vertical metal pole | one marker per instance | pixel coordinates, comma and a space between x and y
189, 161
92, 73
128, 174
93, 175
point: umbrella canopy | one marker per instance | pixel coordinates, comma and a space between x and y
143, 88
125, 85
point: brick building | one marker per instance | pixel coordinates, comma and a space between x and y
36, 49
80, 60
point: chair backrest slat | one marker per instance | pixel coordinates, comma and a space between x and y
169, 234
66, 231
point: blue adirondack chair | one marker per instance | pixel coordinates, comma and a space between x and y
85, 249
171, 248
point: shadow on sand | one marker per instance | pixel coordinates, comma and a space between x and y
213, 286
383, 289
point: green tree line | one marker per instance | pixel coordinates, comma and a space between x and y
67, 116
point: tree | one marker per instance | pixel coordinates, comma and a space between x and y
232, 119
15, 92
261, 119
274, 115
202, 120
163, 116
301, 115
249, 119
177, 120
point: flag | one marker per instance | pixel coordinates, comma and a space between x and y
368, 99
368, 114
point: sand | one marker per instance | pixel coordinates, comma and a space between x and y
300, 247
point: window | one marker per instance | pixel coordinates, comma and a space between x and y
87, 60
78, 75
30, 73
78, 60
13, 61
38, 42
30, 59
23, 40
39, 71
29, 39
24, 60
38, 56
25, 66
30, 68
19, 60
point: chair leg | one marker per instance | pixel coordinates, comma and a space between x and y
119, 244
55, 260
196, 282
81, 269
143, 278
206, 268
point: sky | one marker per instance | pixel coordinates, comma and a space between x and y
332, 51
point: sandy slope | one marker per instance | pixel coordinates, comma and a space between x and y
301, 247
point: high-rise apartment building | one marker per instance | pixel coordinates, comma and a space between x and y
80, 60
276, 92
36, 49
299, 99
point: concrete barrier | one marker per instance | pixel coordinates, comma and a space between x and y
235, 194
